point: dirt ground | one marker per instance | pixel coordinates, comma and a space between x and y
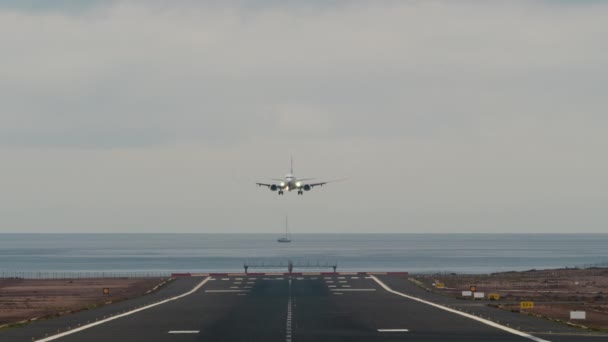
554, 292
24, 299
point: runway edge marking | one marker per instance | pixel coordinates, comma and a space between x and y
445, 308
84, 327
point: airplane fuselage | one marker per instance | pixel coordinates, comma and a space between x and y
290, 183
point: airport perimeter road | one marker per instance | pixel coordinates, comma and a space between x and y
296, 308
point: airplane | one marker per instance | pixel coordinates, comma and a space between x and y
292, 183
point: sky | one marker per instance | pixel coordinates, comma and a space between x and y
445, 116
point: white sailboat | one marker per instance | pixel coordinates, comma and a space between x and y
287, 237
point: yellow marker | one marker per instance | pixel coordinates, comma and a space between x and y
473, 288
440, 285
106, 291
493, 296
526, 305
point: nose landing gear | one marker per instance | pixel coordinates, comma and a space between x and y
300, 192
280, 192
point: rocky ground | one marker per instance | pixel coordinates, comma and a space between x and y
554, 292
26, 299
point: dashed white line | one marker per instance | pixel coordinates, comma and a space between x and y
354, 290
225, 291
288, 318
184, 331
393, 330
84, 327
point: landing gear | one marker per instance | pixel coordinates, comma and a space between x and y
280, 192
300, 192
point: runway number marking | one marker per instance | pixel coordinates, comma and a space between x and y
445, 308
84, 327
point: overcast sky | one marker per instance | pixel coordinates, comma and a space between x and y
446, 116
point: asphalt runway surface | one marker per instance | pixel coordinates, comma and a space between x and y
294, 308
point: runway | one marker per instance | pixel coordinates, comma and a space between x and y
334, 307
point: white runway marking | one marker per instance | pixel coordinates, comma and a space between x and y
393, 330
338, 293
354, 290
354, 277
345, 285
478, 319
184, 332
238, 278
253, 278
84, 327
343, 281
288, 323
225, 291
331, 285
341, 277
224, 279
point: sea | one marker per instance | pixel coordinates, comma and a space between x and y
30, 254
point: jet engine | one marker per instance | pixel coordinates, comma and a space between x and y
273, 187
306, 187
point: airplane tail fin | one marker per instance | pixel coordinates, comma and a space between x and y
291, 160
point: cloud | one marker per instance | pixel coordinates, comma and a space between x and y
453, 114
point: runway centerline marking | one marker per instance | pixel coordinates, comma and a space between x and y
288, 320
84, 327
445, 308
184, 331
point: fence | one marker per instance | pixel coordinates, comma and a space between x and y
82, 274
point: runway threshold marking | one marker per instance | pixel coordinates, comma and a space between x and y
84, 327
184, 331
445, 308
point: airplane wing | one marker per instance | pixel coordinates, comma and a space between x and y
264, 184
312, 185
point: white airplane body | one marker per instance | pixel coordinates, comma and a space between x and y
290, 183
